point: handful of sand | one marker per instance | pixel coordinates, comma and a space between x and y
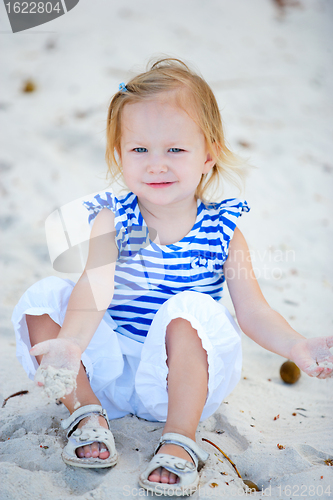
322, 364
59, 367
56, 382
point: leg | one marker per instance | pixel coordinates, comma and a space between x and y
44, 328
187, 389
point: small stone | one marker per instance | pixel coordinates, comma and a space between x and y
29, 86
290, 372
251, 485
245, 144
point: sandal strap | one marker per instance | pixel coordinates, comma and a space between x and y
85, 411
195, 452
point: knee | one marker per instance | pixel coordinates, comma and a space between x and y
180, 327
183, 339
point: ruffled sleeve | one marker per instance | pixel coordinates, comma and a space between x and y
106, 199
229, 211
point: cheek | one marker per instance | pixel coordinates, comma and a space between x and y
126, 163
130, 174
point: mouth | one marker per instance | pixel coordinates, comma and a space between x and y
159, 184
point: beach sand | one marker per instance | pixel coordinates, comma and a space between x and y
271, 70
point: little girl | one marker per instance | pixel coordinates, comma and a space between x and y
144, 329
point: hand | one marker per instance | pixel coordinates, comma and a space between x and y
314, 357
59, 367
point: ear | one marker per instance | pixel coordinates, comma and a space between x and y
210, 159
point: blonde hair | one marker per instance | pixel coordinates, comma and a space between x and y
172, 74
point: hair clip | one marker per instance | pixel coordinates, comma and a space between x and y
122, 87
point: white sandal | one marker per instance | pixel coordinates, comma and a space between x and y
88, 434
185, 470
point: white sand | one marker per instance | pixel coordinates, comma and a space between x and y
271, 71
56, 383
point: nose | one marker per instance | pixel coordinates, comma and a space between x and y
157, 164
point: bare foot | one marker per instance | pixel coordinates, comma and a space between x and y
162, 475
93, 450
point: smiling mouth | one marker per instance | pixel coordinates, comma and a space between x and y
159, 184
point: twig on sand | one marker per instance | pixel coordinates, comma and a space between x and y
226, 456
12, 396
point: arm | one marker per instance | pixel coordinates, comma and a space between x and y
93, 292
264, 325
89, 300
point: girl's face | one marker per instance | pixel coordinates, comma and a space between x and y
163, 151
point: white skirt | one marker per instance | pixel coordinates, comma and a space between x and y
131, 377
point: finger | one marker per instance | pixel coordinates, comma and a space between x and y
326, 373
41, 348
39, 378
312, 370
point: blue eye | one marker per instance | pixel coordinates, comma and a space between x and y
175, 150
140, 150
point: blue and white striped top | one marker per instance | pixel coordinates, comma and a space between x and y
148, 274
